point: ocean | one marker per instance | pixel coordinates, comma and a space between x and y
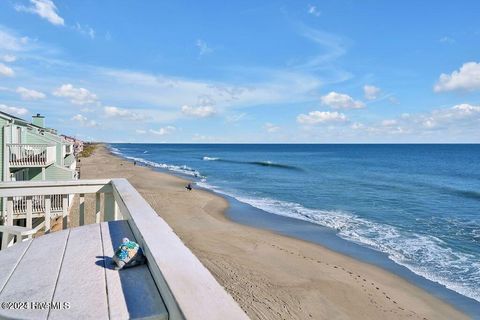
418, 205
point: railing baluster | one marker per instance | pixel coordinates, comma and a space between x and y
30, 154
82, 210
97, 208
29, 212
47, 213
65, 217
8, 222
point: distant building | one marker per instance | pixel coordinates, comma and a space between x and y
77, 144
31, 151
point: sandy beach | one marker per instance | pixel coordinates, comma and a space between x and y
271, 276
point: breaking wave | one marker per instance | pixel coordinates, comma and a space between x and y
258, 163
178, 169
425, 255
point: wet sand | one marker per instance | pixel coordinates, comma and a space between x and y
271, 276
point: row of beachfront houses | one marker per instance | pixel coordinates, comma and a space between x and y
29, 151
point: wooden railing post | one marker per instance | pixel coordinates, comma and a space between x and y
65, 217
109, 207
82, 210
48, 207
29, 212
8, 222
97, 208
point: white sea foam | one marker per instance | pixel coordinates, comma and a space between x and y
425, 255
210, 159
178, 169
115, 150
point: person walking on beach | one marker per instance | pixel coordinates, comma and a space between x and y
188, 187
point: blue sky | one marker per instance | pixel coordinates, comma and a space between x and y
245, 71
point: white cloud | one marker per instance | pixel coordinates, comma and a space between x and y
316, 117
313, 10
45, 9
10, 42
393, 100
445, 123
203, 47
114, 112
13, 110
79, 117
199, 112
466, 108
264, 87
357, 126
163, 131
235, 117
371, 92
85, 30
140, 131
29, 94
271, 128
8, 58
466, 79
337, 100
389, 122
79, 96
6, 70
84, 122
447, 39
332, 47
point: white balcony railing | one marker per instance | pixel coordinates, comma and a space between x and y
38, 204
30, 155
187, 288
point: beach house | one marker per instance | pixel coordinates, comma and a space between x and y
77, 144
30, 151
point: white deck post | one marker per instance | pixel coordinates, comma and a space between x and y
109, 207
29, 212
48, 207
8, 222
65, 211
117, 213
82, 210
97, 208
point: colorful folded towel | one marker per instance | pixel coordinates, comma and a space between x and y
129, 254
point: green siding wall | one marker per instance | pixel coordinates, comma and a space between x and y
35, 138
55, 172
35, 174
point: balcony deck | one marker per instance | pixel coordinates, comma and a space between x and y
73, 266
23, 155
76, 268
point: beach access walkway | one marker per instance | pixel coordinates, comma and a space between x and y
69, 274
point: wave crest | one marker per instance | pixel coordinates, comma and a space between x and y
257, 163
425, 255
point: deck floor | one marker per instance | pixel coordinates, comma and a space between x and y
72, 270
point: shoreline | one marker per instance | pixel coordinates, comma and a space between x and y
269, 274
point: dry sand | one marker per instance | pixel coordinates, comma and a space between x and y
271, 276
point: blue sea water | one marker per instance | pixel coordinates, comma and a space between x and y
418, 204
